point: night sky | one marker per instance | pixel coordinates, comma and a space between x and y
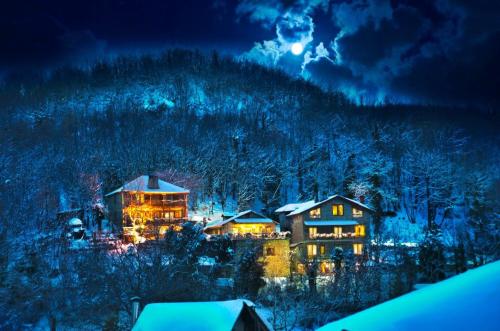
432, 52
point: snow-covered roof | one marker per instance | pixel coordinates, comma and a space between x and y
240, 219
141, 184
469, 301
75, 222
293, 206
188, 316
314, 205
330, 222
253, 220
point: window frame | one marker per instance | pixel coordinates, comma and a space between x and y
313, 248
312, 230
357, 248
315, 213
357, 213
336, 207
360, 230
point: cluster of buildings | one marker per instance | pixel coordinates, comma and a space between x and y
146, 207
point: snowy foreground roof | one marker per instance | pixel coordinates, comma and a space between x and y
141, 184
189, 316
469, 301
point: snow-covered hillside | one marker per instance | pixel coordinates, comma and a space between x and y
469, 301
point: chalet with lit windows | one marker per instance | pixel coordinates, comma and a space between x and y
245, 224
317, 228
252, 230
146, 207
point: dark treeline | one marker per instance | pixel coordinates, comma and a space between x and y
241, 136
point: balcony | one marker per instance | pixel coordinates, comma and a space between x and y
336, 236
255, 236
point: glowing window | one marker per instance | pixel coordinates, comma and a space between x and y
359, 230
338, 210
358, 249
313, 232
322, 250
311, 250
337, 230
357, 212
315, 213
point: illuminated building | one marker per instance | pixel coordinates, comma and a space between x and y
252, 230
146, 207
318, 228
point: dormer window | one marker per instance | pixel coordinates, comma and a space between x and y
338, 210
315, 213
357, 212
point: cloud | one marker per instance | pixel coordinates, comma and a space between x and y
320, 53
377, 50
350, 16
293, 28
290, 28
264, 12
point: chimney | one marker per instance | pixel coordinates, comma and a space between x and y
135, 309
153, 182
362, 198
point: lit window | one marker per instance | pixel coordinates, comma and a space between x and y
139, 198
322, 250
359, 230
357, 212
338, 231
270, 251
313, 232
338, 210
358, 249
315, 213
311, 250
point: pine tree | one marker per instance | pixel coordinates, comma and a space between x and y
349, 177
459, 257
249, 272
431, 256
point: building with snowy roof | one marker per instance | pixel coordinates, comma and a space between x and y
233, 315
320, 227
469, 301
146, 207
252, 230
245, 223
284, 211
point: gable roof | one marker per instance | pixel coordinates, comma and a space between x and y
293, 206
240, 219
336, 196
141, 184
187, 316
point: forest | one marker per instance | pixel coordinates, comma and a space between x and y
239, 136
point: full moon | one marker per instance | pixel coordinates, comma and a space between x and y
297, 48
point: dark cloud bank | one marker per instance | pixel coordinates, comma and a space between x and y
375, 51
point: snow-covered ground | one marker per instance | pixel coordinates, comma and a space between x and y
469, 301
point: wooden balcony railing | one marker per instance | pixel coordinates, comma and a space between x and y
243, 236
343, 235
